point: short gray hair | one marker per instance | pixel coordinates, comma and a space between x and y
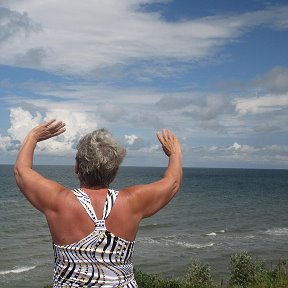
98, 157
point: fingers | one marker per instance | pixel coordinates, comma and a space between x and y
57, 128
59, 132
52, 129
52, 126
159, 136
165, 136
48, 123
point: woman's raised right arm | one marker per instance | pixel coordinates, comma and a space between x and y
147, 199
42, 193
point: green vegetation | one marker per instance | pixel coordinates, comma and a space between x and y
245, 272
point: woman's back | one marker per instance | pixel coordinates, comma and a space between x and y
70, 222
98, 259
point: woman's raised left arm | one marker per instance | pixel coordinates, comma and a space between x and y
40, 191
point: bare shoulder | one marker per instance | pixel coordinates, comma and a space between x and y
147, 199
64, 207
126, 200
64, 197
131, 193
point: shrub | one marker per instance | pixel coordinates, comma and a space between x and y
244, 271
198, 276
145, 280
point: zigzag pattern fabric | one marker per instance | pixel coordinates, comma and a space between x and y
100, 259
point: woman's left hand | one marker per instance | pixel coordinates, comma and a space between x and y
48, 130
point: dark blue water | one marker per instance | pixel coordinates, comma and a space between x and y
216, 213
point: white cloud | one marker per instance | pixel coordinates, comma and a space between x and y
153, 148
235, 146
107, 106
22, 121
110, 41
13, 23
212, 148
78, 124
78, 37
145, 151
131, 139
269, 150
210, 111
5, 143
240, 155
275, 81
261, 104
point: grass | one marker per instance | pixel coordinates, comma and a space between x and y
245, 272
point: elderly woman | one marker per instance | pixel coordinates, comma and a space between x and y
93, 228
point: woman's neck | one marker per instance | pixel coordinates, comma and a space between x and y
90, 188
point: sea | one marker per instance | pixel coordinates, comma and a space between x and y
216, 213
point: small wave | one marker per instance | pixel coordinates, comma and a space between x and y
211, 234
172, 242
215, 233
150, 240
147, 226
191, 245
249, 236
278, 231
17, 270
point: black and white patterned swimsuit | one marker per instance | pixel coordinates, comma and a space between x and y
100, 259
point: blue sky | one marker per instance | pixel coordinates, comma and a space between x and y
214, 72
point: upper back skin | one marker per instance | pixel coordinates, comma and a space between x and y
70, 222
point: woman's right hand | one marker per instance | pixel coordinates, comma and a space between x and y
169, 141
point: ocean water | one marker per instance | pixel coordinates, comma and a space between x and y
217, 212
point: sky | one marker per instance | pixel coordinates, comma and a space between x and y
214, 72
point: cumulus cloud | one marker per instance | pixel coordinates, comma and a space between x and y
85, 38
131, 139
79, 124
235, 146
242, 148
134, 142
105, 104
22, 121
8, 145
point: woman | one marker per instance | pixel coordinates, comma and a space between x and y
93, 228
